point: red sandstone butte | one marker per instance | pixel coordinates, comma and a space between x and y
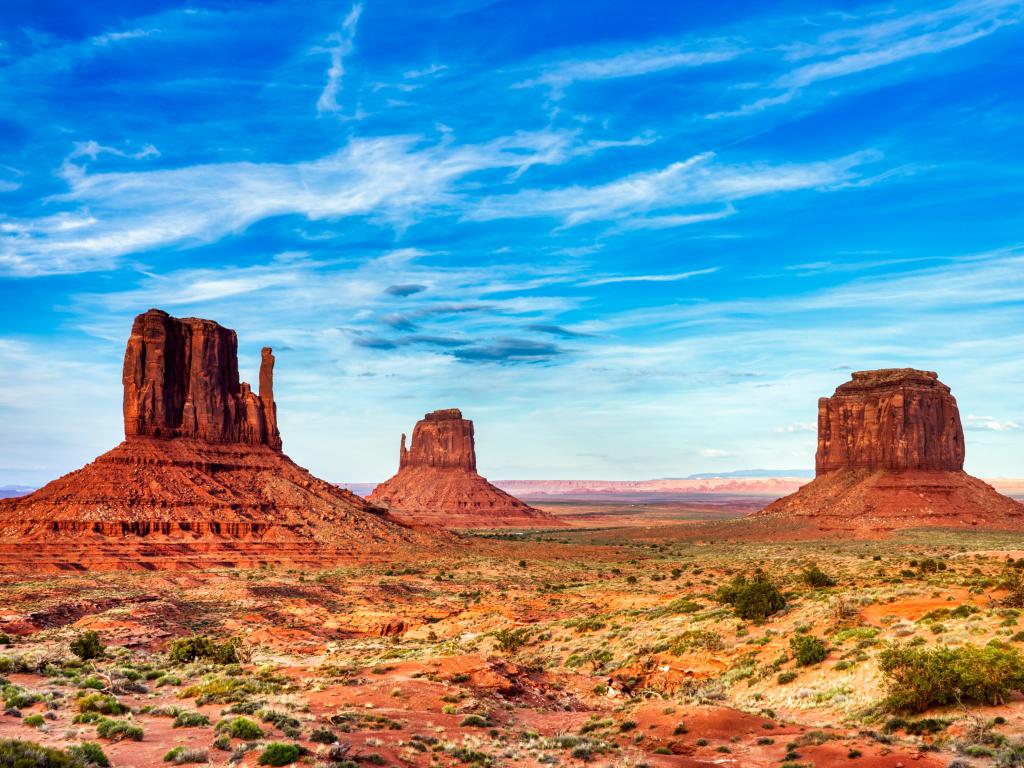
891, 455
200, 478
437, 482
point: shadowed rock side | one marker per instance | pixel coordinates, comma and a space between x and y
891, 455
437, 481
200, 476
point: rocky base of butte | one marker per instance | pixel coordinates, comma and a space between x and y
437, 482
200, 478
890, 455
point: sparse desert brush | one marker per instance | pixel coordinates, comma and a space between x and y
87, 646
190, 719
753, 599
183, 755
920, 678
117, 730
240, 728
813, 576
90, 754
185, 650
16, 753
278, 753
511, 640
101, 704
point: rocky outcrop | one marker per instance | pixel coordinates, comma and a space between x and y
441, 439
437, 482
181, 380
896, 418
200, 478
891, 455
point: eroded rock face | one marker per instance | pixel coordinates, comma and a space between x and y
437, 482
441, 439
181, 380
891, 455
895, 418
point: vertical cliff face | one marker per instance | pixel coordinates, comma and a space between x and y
441, 439
181, 380
895, 418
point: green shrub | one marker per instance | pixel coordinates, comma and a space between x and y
183, 755
807, 649
90, 754
116, 730
25, 754
34, 721
190, 719
786, 677
813, 576
475, 721
185, 650
277, 753
241, 728
511, 640
6, 639
87, 645
323, 736
16, 697
753, 599
920, 678
102, 704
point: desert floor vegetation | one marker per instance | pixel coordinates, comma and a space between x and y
606, 647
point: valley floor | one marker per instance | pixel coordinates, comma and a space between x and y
603, 645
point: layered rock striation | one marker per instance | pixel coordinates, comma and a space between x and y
891, 455
200, 477
437, 481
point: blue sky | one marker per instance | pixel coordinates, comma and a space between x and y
629, 240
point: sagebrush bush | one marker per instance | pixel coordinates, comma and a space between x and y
102, 704
753, 599
16, 754
278, 753
190, 719
920, 678
89, 753
241, 728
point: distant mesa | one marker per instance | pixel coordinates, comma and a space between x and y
200, 478
437, 482
891, 455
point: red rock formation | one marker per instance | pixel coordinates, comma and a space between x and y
897, 418
200, 476
891, 455
437, 481
181, 380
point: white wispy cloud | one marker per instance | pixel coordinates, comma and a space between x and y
391, 179
670, 278
989, 424
342, 43
696, 181
631, 63
875, 44
715, 453
799, 426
